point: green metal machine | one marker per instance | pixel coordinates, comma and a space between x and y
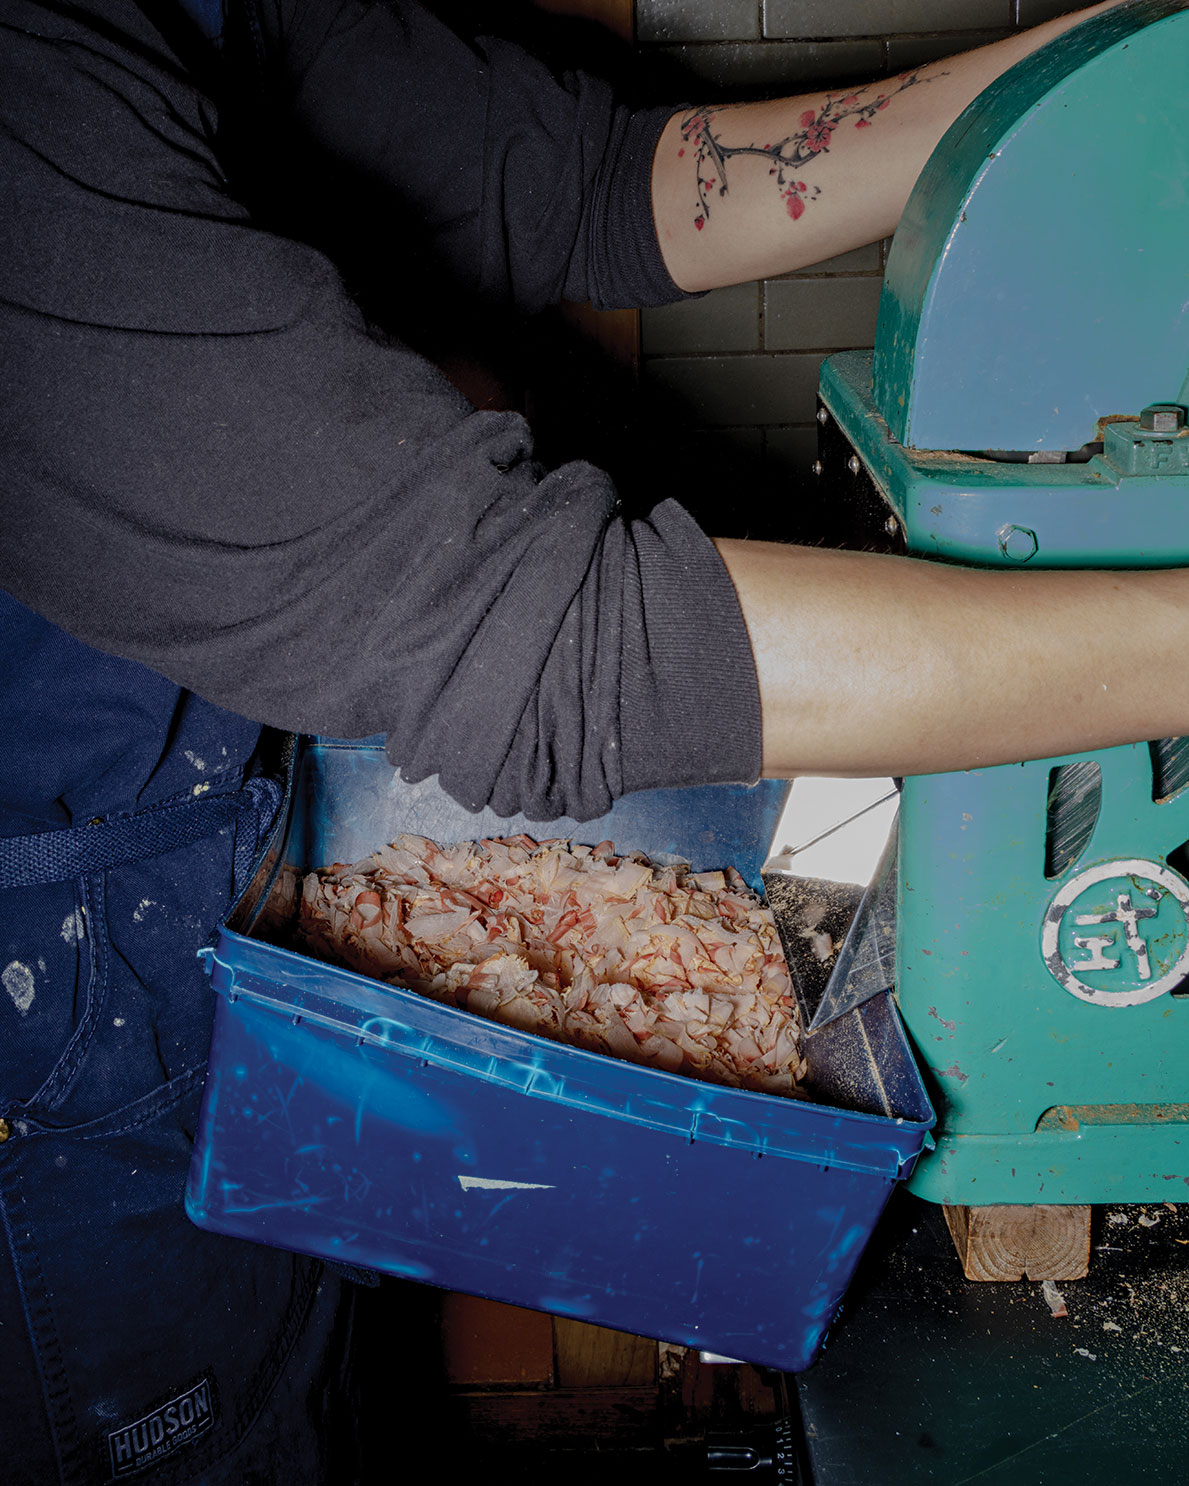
1025, 405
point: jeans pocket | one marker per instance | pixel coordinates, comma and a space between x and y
158, 1345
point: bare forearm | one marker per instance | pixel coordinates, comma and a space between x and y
749, 190
884, 665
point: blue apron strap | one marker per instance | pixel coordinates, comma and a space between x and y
208, 15
60, 856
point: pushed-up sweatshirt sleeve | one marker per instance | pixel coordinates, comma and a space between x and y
211, 465
533, 185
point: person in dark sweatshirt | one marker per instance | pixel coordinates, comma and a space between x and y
231, 507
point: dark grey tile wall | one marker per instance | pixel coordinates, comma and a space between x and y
882, 17
737, 370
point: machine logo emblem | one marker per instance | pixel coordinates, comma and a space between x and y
1118, 933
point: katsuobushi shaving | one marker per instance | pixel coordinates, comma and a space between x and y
676, 969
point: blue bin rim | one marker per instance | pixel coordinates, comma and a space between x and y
345, 1003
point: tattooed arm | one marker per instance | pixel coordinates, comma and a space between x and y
748, 190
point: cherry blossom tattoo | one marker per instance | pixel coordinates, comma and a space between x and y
701, 130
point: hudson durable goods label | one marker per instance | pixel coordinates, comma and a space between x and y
176, 1423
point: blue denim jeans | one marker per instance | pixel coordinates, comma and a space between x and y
132, 1345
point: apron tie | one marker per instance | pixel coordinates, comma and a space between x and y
77, 851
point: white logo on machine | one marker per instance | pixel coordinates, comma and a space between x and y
1118, 934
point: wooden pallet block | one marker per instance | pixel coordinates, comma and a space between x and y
1041, 1242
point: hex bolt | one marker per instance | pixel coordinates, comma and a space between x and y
854, 464
1018, 543
1162, 417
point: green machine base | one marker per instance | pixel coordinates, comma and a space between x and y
1025, 406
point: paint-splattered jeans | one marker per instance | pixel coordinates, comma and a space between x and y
132, 1345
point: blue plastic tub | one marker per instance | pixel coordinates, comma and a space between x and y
365, 1123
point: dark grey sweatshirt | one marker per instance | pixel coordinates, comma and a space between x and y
210, 463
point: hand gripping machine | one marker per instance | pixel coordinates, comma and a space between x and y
1025, 406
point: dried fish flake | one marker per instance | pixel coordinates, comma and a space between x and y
1053, 1298
674, 969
